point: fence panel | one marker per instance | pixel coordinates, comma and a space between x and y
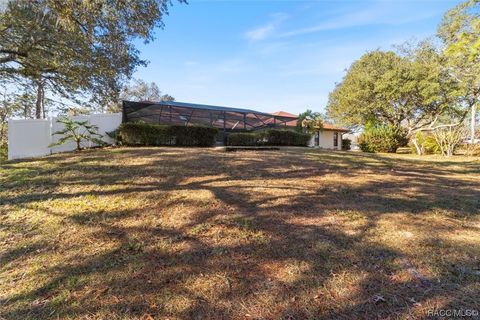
32, 137
106, 123
28, 138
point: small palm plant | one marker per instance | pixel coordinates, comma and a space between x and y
77, 131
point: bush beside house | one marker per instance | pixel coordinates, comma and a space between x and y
346, 144
144, 134
270, 137
244, 139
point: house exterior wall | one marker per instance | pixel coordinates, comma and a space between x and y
326, 140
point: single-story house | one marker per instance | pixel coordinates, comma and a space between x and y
225, 119
329, 137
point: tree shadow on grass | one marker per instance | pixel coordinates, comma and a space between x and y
278, 242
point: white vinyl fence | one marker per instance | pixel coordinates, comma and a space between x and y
32, 137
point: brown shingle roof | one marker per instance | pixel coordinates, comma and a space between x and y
285, 114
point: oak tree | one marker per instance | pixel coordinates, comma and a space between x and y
78, 50
460, 32
408, 91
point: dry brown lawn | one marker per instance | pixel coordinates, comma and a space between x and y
167, 233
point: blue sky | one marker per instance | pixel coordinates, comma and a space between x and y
275, 55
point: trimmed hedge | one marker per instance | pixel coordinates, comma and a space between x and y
270, 137
244, 139
144, 134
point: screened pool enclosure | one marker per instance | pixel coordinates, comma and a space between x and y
180, 113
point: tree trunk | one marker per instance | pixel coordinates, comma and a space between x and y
26, 112
449, 151
439, 142
39, 103
417, 147
472, 124
2, 130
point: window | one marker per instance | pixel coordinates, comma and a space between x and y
335, 139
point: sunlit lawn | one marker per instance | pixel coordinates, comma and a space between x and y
157, 233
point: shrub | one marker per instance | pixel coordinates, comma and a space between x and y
277, 137
137, 133
426, 142
469, 149
449, 138
270, 137
346, 144
244, 139
382, 139
431, 145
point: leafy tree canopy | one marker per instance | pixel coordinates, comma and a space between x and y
308, 119
460, 32
407, 90
76, 49
139, 90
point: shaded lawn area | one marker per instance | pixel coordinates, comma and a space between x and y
142, 233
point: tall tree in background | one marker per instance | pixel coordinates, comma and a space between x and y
460, 32
308, 116
362, 95
7, 110
407, 92
139, 90
77, 50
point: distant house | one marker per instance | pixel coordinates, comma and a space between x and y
329, 137
226, 119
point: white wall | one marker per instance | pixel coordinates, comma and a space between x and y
32, 138
28, 138
67, 146
106, 123
326, 140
